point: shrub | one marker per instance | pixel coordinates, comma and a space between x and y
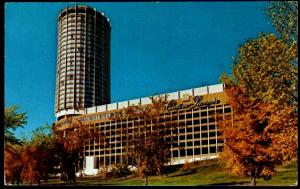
186, 166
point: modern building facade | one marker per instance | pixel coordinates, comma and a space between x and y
193, 110
83, 61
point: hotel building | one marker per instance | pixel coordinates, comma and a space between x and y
83, 61
194, 110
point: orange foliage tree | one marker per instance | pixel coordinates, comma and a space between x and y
262, 132
13, 165
148, 145
33, 160
70, 142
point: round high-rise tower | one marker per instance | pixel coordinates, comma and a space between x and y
83, 61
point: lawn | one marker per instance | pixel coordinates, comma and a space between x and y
202, 173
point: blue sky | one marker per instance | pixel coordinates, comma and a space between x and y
155, 48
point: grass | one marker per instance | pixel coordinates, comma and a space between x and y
201, 173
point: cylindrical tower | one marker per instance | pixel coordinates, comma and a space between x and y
83, 61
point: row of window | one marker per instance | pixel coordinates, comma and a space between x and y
88, 92
88, 60
205, 143
115, 159
89, 55
89, 31
89, 44
88, 79
72, 17
81, 34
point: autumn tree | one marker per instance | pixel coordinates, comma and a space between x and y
13, 164
284, 17
262, 131
39, 155
148, 145
70, 142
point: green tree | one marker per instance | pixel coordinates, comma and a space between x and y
262, 93
12, 163
284, 17
12, 121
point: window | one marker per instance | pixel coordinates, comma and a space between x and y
197, 143
211, 134
204, 150
203, 114
211, 120
212, 127
219, 111
204, 142
196, 115
175, 153
212, 112
212, 141
101, 160
182, 152
227, 110
212, 149
189, 136
97, 162
204, 128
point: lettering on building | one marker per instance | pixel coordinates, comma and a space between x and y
173, 105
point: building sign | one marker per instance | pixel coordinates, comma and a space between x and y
173, 105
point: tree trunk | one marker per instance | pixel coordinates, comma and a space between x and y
253, 181
146, 180
253, 177
4, 178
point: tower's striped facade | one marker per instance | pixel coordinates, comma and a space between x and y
83, 60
